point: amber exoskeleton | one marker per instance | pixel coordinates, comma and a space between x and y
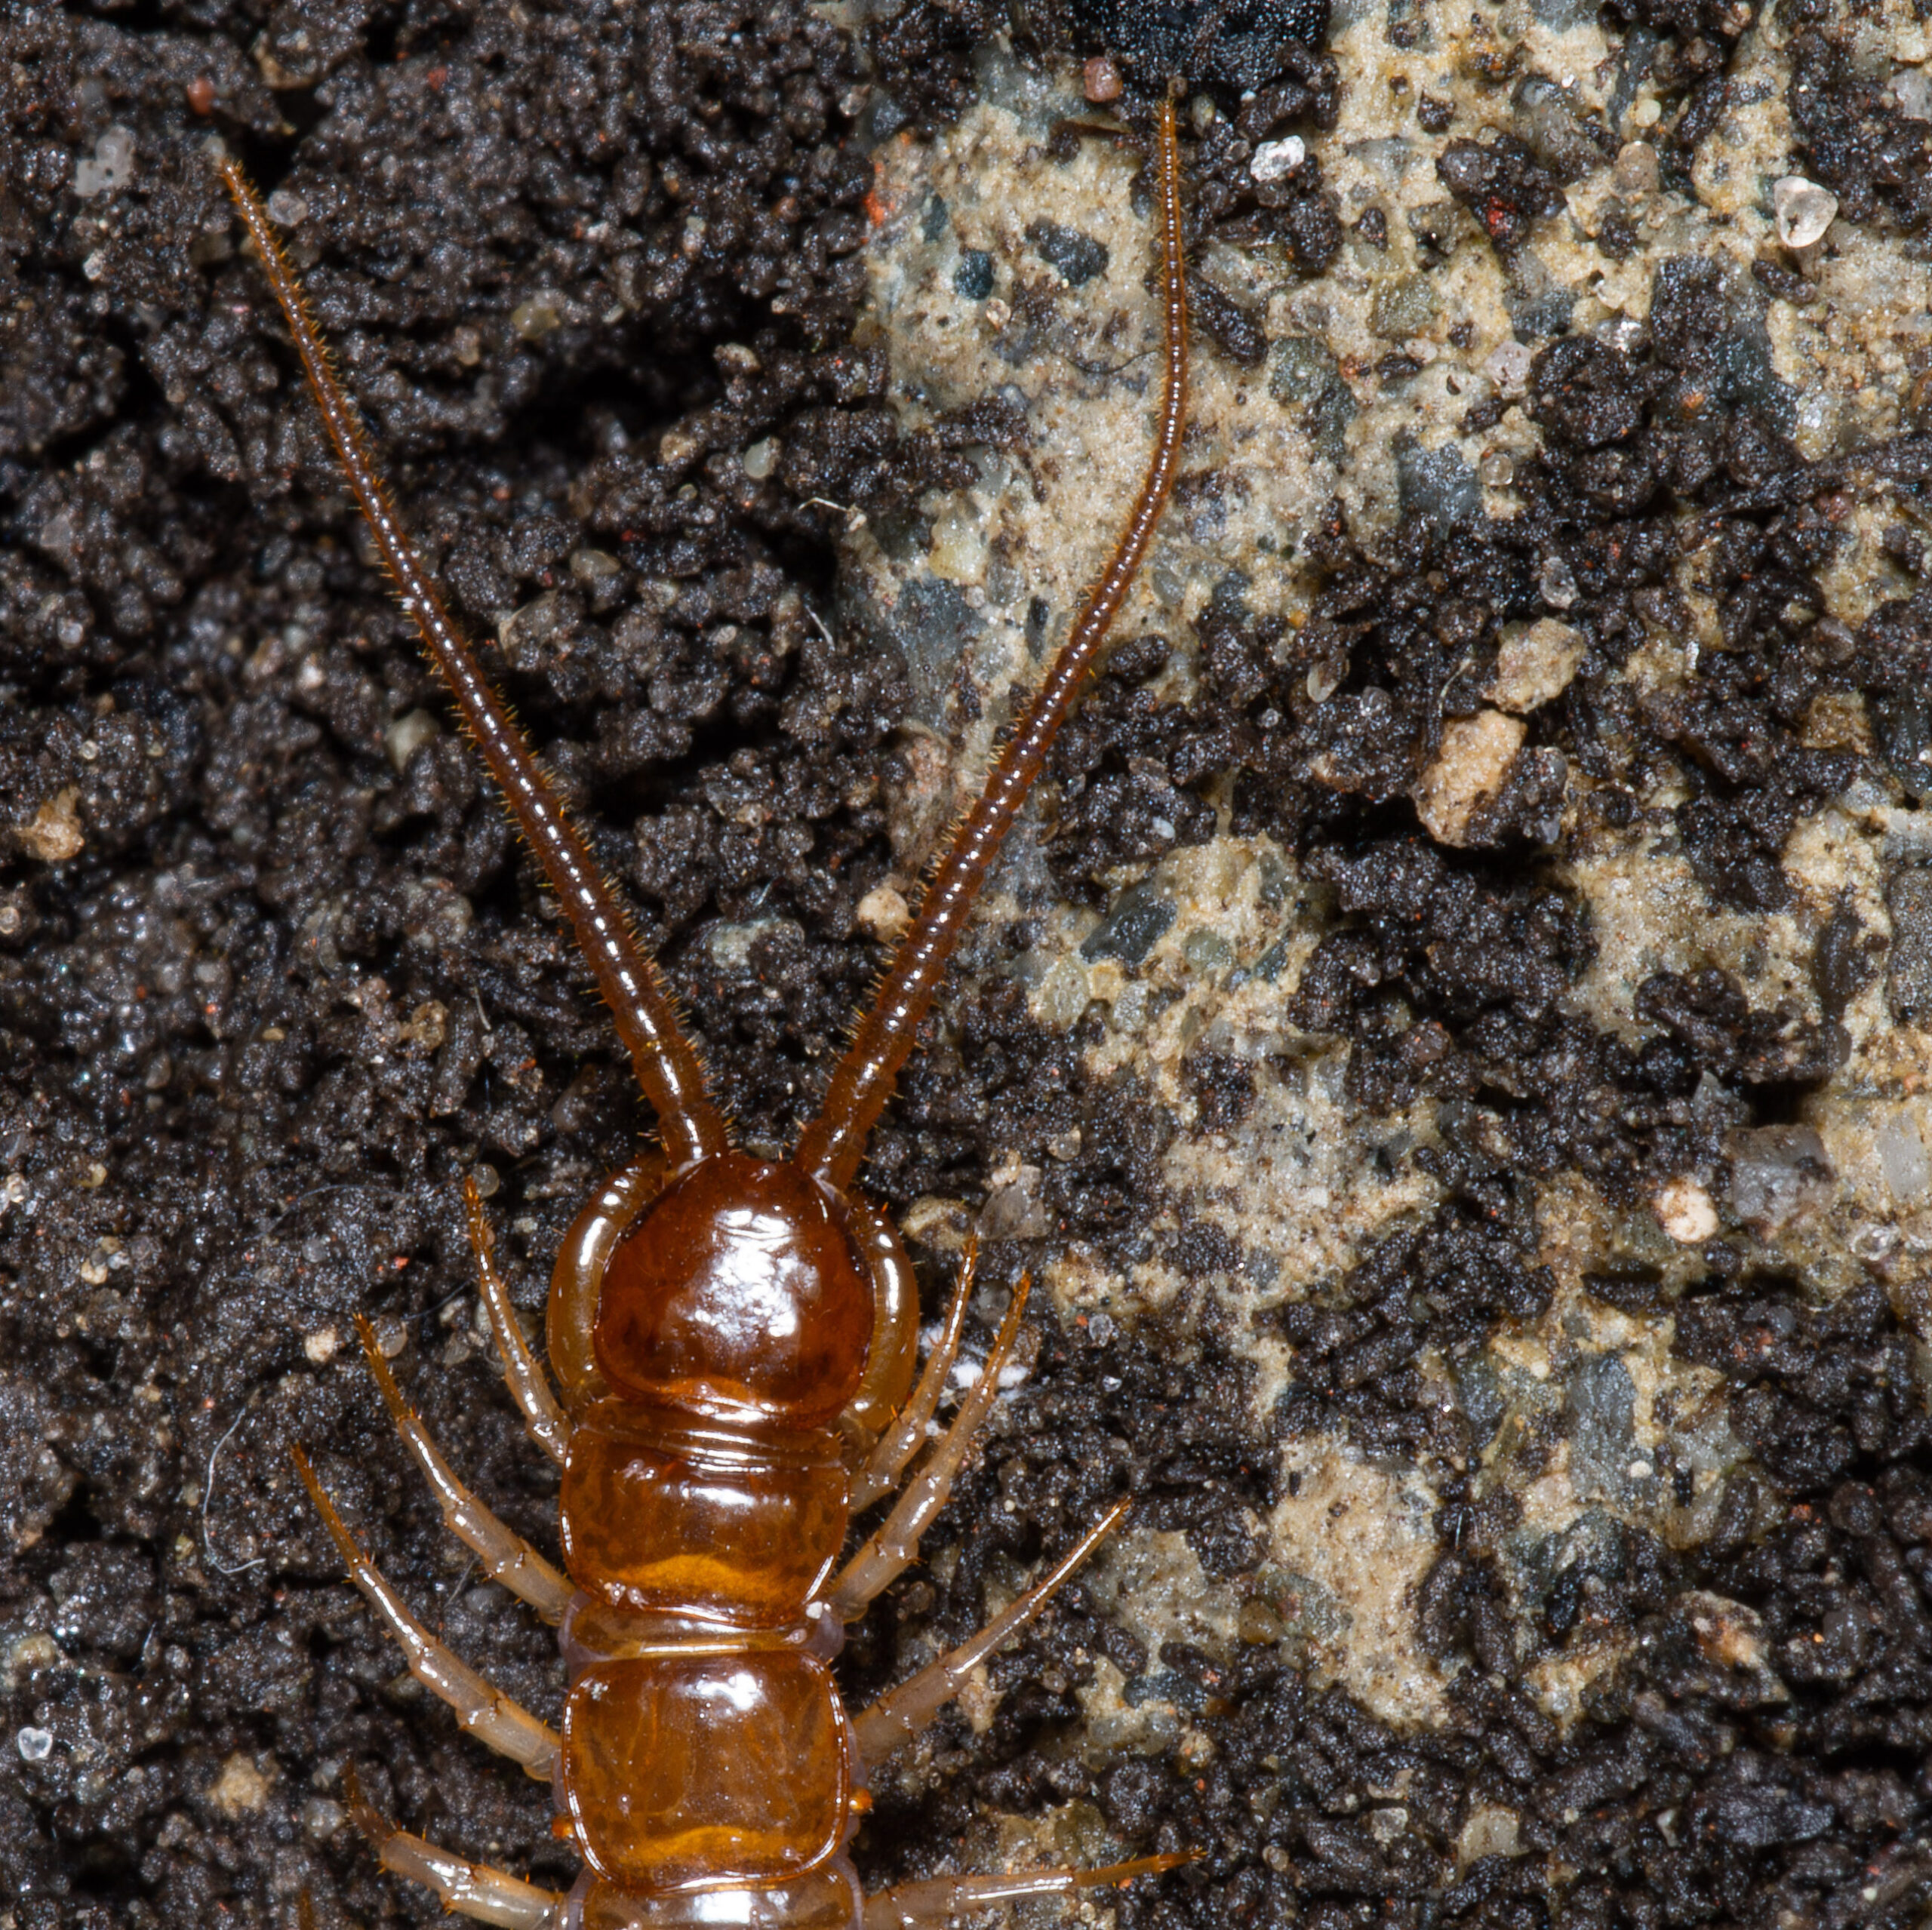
733, 1340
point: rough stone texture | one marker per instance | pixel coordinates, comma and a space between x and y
1500, 1271
1506, 1062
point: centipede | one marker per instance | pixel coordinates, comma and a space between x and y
732, 1374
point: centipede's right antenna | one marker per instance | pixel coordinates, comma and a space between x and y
834, 1144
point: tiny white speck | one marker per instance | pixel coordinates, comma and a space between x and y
36, 1745
1508, 366
1640, 1470
1273, 159
1913, 92
1803, 210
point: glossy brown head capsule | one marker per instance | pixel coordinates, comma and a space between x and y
733, 1342
738, 1294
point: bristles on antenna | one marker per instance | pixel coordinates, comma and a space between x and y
667, 1063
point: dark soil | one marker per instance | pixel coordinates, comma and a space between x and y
273, 978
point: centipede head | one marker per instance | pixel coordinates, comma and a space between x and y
738, 1294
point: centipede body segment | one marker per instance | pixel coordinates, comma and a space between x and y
734, 1341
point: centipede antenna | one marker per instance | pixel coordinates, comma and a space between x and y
668, 1066
834, 1144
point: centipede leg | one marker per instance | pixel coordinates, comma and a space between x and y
529, 1385
890, 1551
507, 1556
907, 1433
900, 1715
472, 1889
939, 1899
485, 1712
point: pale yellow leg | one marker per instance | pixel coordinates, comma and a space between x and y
491, 1717
505, 1555
473, 1889
529, 1385
899, 1714
890, 1552
907, 1434
939, 1899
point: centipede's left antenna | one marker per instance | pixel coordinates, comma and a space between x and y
668, 1067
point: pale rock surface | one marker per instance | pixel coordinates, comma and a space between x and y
1469, 772
1310, 1179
